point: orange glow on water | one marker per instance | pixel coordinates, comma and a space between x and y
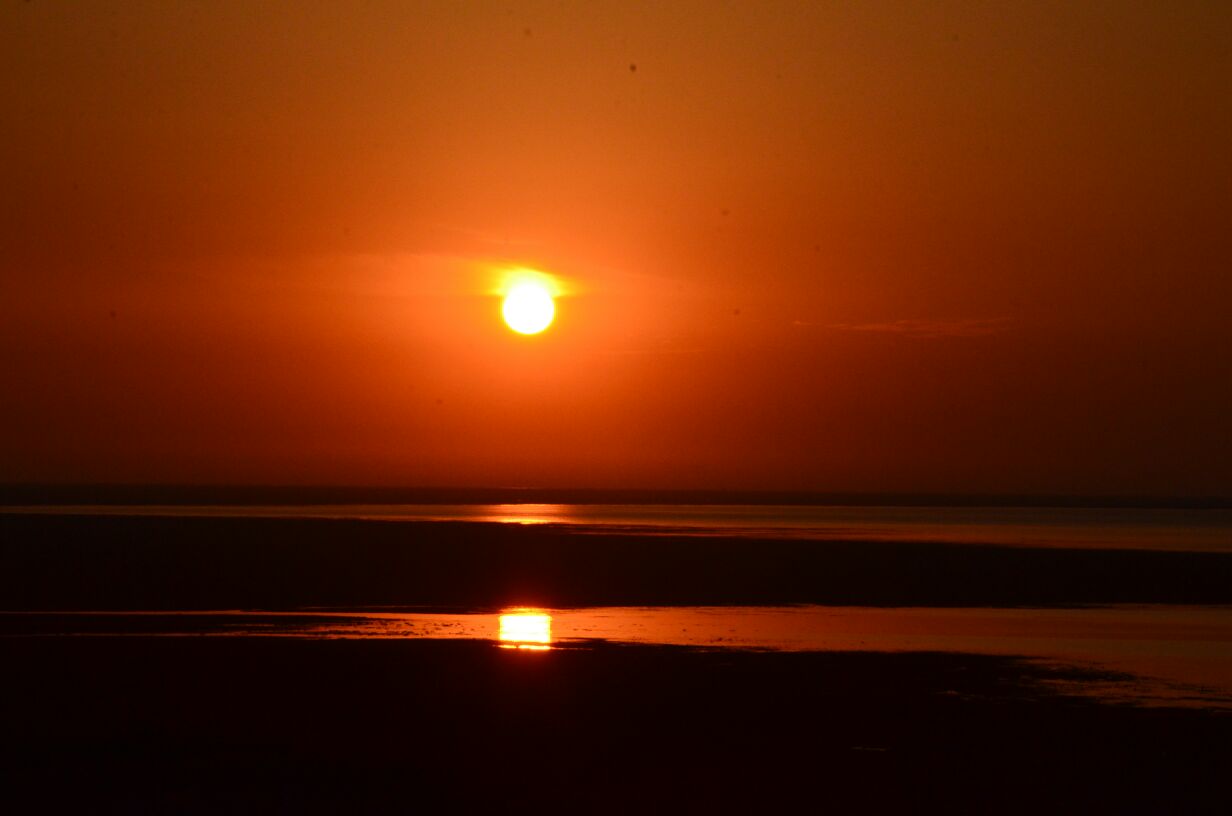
526, 630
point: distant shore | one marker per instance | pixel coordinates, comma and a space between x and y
107, 562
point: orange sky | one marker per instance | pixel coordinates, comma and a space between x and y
850, 247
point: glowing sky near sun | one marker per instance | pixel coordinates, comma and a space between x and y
883, 246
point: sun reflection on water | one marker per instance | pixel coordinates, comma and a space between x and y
528, 513
526, 629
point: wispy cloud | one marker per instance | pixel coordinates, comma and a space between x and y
659, 350
925, 329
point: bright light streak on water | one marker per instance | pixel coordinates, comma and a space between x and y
1175, 655
526, 629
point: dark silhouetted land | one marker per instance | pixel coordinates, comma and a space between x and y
214, 725
82, 562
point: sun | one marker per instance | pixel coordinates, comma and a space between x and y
528, 307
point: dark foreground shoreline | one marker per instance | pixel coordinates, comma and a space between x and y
246, 725
50, 562
187, 724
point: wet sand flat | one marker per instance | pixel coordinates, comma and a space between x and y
206, 725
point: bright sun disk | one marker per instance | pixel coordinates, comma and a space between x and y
528, 307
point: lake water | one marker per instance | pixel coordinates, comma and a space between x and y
1176, 529
1147, 654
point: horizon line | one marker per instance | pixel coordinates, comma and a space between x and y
16, 494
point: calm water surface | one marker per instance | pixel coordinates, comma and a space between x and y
1121, 528
1151, 654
